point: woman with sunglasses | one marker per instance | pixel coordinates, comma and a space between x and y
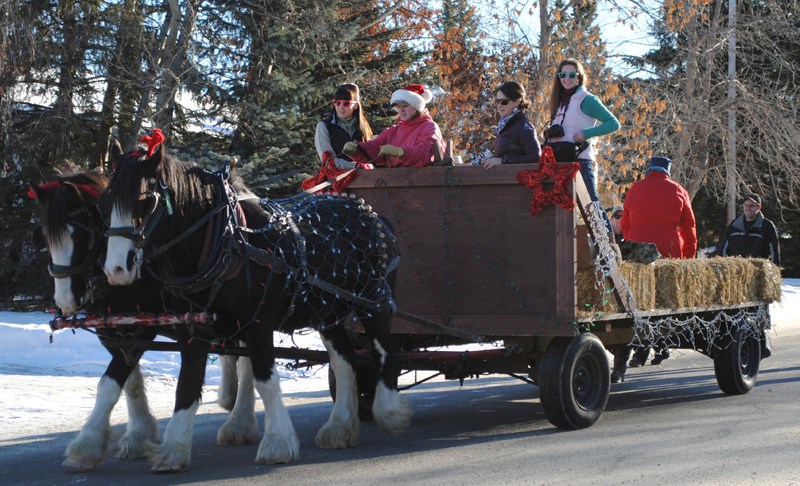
408, 143
345, 124
582, 118
516, 141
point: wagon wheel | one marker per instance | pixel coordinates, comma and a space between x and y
366, 381
574, 381
736, 366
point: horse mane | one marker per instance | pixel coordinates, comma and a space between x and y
183, 178
56, 212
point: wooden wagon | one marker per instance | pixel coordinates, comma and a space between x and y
477, 267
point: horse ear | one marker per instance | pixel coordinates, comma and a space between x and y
153, 164
116, 154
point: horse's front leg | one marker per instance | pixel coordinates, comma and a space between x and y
175, 451
241, 426
142, 425
88, 448
342, 428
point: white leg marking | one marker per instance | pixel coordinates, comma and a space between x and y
142, 426
175, 452
391, 410
280, 443
342, 428
241, 427
226, 396
86, 450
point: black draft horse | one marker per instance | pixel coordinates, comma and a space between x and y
261, 267
73, 232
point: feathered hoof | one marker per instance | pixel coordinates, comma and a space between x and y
278, 450
86, 451
338, 435
234, 433
133, 445
168, 458
391, 410
81, 463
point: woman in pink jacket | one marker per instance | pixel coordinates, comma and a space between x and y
408, 143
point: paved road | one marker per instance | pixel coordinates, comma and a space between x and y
667, 424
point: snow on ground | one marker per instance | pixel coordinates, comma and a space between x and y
43, 382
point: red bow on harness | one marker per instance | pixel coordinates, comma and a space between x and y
153, 141
329, 177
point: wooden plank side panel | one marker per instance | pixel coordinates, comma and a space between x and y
472, 256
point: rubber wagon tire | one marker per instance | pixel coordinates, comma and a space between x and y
736, 366
574, 381
366, 381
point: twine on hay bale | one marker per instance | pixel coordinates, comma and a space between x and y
766, 283
684, 283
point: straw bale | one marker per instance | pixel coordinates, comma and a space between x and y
591, 299
639, 277
641, 280
684, 283
733, 275
766, 283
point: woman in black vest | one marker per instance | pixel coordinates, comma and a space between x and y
346, 123
516, 141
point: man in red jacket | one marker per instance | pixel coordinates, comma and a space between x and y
658, 210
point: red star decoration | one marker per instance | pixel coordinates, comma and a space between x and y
329, 172
549, 170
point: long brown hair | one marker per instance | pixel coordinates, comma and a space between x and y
350, 91
555, 91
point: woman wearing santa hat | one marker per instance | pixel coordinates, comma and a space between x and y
409, 142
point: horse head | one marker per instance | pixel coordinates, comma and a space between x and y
71, 231
151, 196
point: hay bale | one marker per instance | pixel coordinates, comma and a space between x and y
641, 280
592, 299
684, 283
733, 275
765, 285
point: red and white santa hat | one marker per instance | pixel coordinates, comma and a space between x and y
414, 94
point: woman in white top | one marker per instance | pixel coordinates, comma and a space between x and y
347, 123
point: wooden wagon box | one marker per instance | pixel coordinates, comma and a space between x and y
472, 255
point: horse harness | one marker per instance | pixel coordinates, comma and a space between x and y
229, 242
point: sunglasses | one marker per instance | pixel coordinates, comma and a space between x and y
563, 75
502, 101
344, 103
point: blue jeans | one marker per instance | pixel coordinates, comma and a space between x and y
590, 179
